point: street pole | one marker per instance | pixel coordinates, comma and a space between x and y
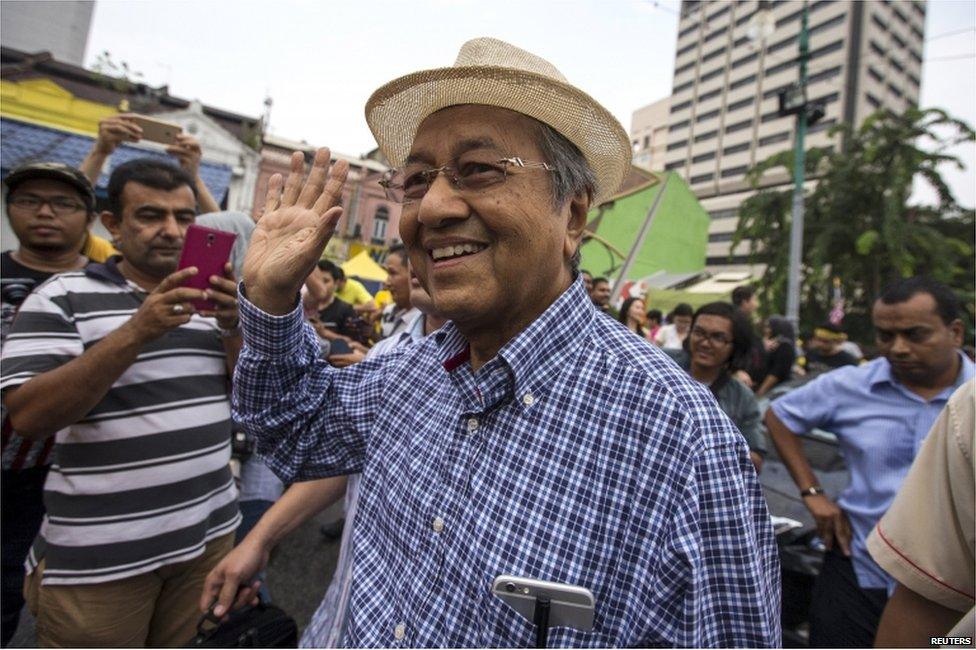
799, 162
639, 240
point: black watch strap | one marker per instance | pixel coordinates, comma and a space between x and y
812, 491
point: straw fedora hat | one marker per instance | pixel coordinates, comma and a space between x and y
494, 73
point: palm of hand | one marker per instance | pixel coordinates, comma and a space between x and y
283, 246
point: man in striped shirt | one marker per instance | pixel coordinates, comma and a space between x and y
51, 207
117, 365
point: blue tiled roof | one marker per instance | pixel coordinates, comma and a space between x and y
21, 143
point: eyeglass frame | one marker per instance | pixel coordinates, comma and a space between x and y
41, 202
702, 334
431, 174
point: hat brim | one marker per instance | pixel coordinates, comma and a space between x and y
15, 178
395, 111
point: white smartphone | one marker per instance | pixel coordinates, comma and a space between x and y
569, 605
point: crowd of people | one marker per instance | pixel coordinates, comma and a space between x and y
497, 416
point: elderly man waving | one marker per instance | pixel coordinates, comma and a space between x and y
531, 436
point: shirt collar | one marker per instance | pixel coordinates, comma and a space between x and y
107, 271
883, 375
538, 351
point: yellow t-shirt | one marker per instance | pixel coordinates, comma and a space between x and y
354, 293
98, 249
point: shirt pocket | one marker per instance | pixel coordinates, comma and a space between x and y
504, 627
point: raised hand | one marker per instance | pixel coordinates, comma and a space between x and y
114, 130
299, 219
187, 150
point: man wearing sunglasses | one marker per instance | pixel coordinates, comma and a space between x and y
532, 435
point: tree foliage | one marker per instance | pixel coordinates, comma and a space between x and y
859, 225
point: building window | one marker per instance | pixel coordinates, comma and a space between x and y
718, 32
874, 74
701, 178
710, 95
895, 90
722, 214
734, 171
738, 126
647, 141
721, 260
685, 67
898, 41
877, 49
703, 157
744, 18
720, 236
685, 86
914, 79
880, 24
681, 106
687, 30
686, 49
826, 74
381, 219
742, 103
677, 126
874, 101
775, 47
827, 24
707, 116
706, 136
674, 165
712, 55
769, 117
773, 139
898, 14
721, 12
827, 49
915, 56
745, 81
744, 60
896, 65
711, 75
677, 145
822, 126
736, 148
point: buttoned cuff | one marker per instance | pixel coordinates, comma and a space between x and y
267, 335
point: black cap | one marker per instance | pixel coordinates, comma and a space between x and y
55, 171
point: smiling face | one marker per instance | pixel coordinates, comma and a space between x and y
710, 342
912, 336
601, 293
636, 311
151, 229
41, 229
493, 258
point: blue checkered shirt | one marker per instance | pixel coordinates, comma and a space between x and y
580, 454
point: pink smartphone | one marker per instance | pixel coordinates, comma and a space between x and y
208, 250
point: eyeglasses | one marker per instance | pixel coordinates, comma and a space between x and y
409, 185
61, 206
717, 338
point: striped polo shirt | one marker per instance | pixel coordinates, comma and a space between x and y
143, 479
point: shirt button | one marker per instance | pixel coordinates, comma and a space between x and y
399, 632
438, 524
472, 424
528, 399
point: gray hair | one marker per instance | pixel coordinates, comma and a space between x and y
573, 175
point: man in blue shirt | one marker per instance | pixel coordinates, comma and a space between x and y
881, 412
532, 435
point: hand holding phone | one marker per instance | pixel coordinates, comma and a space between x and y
208, 250
156, 130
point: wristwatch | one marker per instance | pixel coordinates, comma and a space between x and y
812, 491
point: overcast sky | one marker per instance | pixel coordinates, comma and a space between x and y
320, 61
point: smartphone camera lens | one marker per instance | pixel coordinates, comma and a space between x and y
210, 239
510, 587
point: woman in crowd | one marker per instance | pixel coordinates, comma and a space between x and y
718, 341
632, 316
780, 344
